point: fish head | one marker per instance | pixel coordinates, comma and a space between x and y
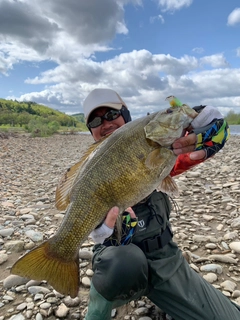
169, 125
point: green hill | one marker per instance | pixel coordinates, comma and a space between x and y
79, 117
29, 115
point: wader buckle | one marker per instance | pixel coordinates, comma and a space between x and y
158, 242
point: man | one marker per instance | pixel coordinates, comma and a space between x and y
148, 263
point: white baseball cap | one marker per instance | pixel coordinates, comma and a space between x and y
102, 97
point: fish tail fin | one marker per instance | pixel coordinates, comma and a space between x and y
40, 264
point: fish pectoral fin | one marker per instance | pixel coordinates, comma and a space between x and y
38, 264
154, 159
169, 186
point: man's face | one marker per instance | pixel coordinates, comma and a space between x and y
106, 127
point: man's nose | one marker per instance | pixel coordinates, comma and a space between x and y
106, 124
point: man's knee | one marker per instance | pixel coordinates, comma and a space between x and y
120, 272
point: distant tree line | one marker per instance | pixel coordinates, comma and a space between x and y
233, 118
36, 118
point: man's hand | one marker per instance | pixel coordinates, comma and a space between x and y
188, 144
107, 227
128, 227
112, 215
209, 132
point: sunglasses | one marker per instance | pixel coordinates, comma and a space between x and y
109, 116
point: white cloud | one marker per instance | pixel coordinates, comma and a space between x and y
143, 79
5, 64
131, 68
234, 17
159, 17
173, 5
59, 31
198, 50
215, 61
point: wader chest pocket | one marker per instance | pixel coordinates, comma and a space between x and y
159, 241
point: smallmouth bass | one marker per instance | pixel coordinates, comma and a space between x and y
120, 170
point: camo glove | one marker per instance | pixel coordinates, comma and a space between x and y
129, 225
211, 137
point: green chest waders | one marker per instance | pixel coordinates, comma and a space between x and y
121, 273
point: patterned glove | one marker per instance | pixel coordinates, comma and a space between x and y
213, 136
128, 229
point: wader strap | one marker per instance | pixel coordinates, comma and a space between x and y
158, 242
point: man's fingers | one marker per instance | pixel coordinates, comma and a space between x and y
198, 155
186, 141
195, 155
179, 151
185, 144
131, 212
111, 217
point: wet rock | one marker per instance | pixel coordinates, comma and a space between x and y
236, 223
231, 235
14, 280
86, 282
71, 302
14, 245
38, 289
228, 285
62, 311
85, 254
236, 294
235, 246
17, 317
35, 236
3, 258
216, 268
141, 311
210, 277
222, 258
6, 232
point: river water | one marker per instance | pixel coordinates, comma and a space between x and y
235, 129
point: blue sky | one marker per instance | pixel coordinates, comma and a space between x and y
54, 52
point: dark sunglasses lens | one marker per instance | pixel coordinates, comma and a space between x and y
97, 121
112, 115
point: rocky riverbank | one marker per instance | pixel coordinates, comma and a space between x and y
206, 224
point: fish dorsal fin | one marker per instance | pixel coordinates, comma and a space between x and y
169, 186
64, 187
62, 196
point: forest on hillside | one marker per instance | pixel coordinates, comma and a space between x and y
37, 119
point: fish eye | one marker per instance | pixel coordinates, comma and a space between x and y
169, 110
